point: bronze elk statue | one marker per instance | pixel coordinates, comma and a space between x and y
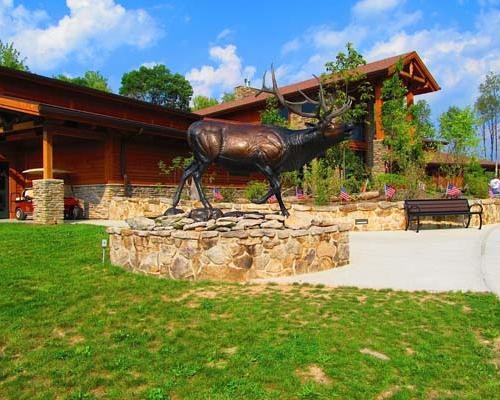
267, 149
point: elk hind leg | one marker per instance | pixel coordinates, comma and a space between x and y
197, 176
190, 169
274, 181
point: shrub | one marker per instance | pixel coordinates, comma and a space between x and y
320, 180
229, 194
256, 189
396, 180
476, 180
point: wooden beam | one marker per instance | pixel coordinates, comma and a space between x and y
47, 154
109, 158
28, 135
25, 106
379, 132
412, 77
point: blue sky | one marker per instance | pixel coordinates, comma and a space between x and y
216, 44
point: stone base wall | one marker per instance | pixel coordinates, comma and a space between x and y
48, 201
96, 199
229, 256
380, 216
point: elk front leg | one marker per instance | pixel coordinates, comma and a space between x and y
274, 181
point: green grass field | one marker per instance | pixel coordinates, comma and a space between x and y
71, 328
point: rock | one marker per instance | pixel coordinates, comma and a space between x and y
301, 207
248, 223
326, 250
194, 225
244, 261
369, 195
227, 219
219, 254
227, 224
235, 234
180, 268
323, 220
298, 221
192, 235
348, 208
223, 229
273, 224
367, 206
209, 234
253, 216
345, 226
262, 233
141, 223
299, 232
275, 217
384, 205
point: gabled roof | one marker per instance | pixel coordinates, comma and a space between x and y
373, 70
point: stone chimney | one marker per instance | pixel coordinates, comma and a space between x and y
244, 90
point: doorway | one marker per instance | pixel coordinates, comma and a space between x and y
4, 190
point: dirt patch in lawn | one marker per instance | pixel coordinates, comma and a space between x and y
313, 373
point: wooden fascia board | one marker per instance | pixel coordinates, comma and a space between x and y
20, 105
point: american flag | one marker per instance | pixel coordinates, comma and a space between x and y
272, 199
218, 195
299, 193
344, 196
490, 192
389, 191
452, 190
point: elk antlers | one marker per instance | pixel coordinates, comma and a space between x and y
323, 113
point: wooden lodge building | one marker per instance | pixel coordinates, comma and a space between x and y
111, 145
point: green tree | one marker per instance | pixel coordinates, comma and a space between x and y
11, 58
488, 107
228, 97
458, 127
345, 81
157, 85
200, 102
271, 115
91, 79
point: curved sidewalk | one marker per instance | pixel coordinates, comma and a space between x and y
432, 260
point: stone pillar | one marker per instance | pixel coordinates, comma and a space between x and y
244, 91
48, 201
379, 152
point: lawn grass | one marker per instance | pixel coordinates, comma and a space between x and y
72, 328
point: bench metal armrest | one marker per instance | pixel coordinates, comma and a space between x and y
476, 204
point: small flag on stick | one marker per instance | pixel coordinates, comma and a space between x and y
299, 193
217, 194
344, 196
272, 199
390, 191
452, 191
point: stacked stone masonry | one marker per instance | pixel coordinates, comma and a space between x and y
48, 201
231, 248
379, 215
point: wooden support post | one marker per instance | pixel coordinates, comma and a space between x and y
47, 155
109, 151
379, 131
409, 99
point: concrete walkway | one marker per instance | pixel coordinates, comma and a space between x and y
432, 260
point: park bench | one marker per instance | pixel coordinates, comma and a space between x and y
441, 207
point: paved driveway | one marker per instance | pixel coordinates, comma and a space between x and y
432, 260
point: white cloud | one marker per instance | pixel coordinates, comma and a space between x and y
229, 72
291, 46
367, 7
91, 29
224, 33
458, 60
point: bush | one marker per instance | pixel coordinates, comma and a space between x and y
476, 180
320, 180
256, 189
395, 180
229, 194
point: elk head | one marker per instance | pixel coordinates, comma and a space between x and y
323, 114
